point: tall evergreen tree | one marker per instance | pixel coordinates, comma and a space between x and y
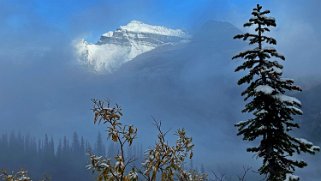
100, 147
75, 143
82, 145
267, 101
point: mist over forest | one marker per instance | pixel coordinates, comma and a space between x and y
47, 121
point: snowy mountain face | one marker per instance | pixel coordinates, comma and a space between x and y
117, 47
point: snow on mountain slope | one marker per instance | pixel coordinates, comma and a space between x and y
117, 47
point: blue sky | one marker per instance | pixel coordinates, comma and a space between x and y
96, 16
93, 17
44, 24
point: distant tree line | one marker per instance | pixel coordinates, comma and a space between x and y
64, 159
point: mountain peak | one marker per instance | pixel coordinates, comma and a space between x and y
124, 44
140, 27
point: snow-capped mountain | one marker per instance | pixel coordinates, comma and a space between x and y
124, 44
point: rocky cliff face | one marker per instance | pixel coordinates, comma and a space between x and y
117, 47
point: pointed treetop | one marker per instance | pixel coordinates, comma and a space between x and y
260, 18
258, 7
